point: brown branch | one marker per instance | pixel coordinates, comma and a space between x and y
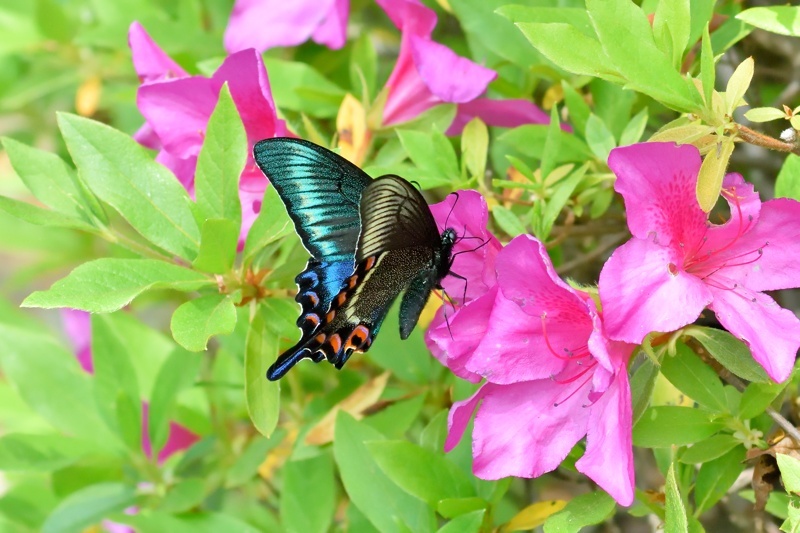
765, 141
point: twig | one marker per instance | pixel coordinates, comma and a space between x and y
765, 141
787, 426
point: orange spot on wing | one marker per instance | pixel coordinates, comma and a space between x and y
351, 281
314, 298
320, 338
357, 338
329, 316
369, 262
341, 298
314, 319
335, 342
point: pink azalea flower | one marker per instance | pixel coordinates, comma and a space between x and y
264, 24
177, 107
427, 73
474, 256
552, 377
677, 263
78, 327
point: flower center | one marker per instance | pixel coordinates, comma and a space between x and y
578, 366
705, 263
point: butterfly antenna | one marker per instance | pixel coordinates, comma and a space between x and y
445, 300
452, 207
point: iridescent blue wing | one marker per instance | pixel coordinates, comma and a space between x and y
322, 193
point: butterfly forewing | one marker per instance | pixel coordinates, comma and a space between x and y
321, 191
394, 216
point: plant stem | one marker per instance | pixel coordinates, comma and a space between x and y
765, 141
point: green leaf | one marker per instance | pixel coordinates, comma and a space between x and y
716, 477
561, 194
731, 353
642, 383
298, 87
584, 56
40, 453
634, 129
108, 284
88, 506
712, 171
694, 378
790, 472
116, 389
363, 67
184, 495
738, 84
176, 374
220, 163
627, 40
579, 110
397, 418
667, 425
246, 465
783, 20
52, 182
51, 382
709, 449
530, 139
552, 144
41, 217
508, 221
707, 72
757, 397
675, 520
787, 185
300, 480
581, 511
218, 240
196, 321
452, 507
376, 496
764, 114
431, 152
599, 137
474, 148
423, 474
465, 523
574, 16
271, 224
262, 395
671, 27
122, 174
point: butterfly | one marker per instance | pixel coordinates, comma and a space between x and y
369, 240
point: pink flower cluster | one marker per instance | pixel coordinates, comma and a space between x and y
553, 361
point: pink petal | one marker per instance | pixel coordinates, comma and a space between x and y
149, 60
264, 24
608, 460
513, 348
179, 438
475, 250
332, 32
147, 137
527, 277
178, 112
458, 418
453, 340
450, 77
502, 113
520, 431
642, 291
408, 95
250, 89
657, 182
78, 327
771, 332
410, 16
777, 236
182, 168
